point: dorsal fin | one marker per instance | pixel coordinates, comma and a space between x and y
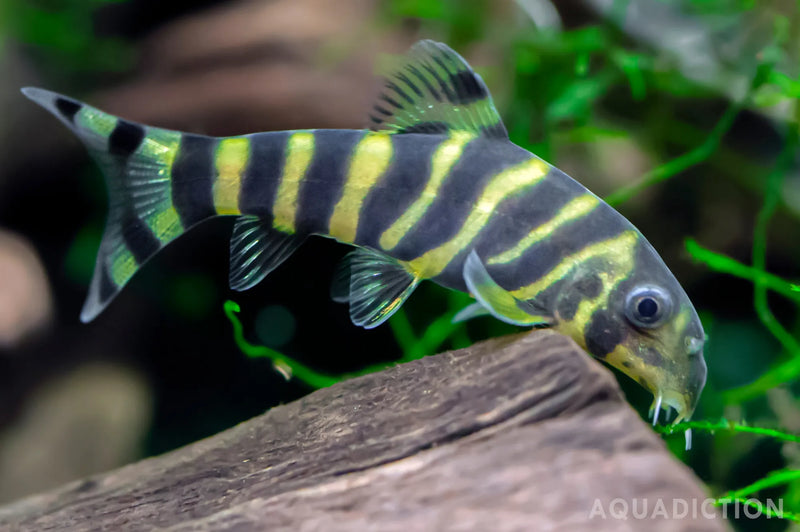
432, 89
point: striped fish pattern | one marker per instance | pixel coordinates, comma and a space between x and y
433, 190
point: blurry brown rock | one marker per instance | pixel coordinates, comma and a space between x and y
252, 66
25, 300
89, 420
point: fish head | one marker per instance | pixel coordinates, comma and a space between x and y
640, 321
661, 345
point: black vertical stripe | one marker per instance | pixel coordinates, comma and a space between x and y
68, 108
322, 186
106, 287
513, 219
431, 128
548, 299
381, 110
415, 71
391, 101
600, 224
480, 161
399, 187
497, 130
523, 213
410, 84
603, 333
263, 173
139, 238
468, 87
448, 92
193, 178
584, 288
125, 138
400, 92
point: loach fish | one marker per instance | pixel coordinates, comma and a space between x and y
434, 189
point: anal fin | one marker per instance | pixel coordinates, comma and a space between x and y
498, 301
256, 250
374, 284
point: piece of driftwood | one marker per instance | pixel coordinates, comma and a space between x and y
518, 433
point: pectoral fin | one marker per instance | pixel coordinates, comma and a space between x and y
340, 285
497, 301
374, 284
256, 250
473, 310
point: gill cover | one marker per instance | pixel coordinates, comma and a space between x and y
649, 330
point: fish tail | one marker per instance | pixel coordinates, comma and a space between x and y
137, 163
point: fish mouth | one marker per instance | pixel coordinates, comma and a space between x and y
684, 397
682, 388
666, 399
683, 404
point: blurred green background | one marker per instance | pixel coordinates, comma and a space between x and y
683, 114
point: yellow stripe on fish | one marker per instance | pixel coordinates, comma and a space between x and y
299, 151
502, 186
231, 160
371, 158
445, 157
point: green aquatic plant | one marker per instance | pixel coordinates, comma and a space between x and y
286, 366
763, 282
725, 425
66, 34
414, 347
722, 263
773, 479
679, 164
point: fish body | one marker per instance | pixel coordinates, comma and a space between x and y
434, 190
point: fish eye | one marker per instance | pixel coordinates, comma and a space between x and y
647, 306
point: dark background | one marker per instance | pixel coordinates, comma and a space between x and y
607, 91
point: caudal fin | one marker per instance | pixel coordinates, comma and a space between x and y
136, 161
